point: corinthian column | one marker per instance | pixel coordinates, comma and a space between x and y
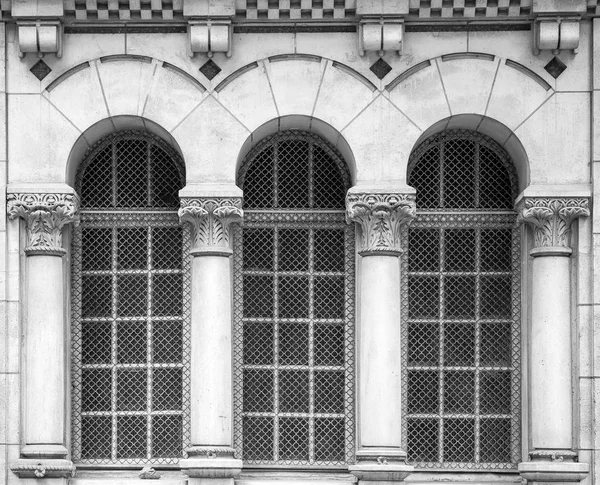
552, 458
211, 454
380, 216
45, 214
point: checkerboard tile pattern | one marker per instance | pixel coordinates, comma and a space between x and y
469, 8
124, 10
295, 9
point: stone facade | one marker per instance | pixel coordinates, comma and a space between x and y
373, 79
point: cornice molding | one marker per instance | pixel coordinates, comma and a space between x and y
45, 214
551, 219
210, 219
381, 217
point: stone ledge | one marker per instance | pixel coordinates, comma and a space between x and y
394, 472
44, 468
553, 471
211, 467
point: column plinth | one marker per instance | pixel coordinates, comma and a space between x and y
44, 452
551, 454
211, 455
380, 216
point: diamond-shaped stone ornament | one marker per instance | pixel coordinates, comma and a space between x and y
40, 70
210, 69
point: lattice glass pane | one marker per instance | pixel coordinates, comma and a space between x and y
97, 248
293, 391
423, 391
496, 296
459, 440
329, 250
423, 439
496, 345
258, 438
459, 297
97, 192
329, 439
459, 344
258, 249
293, 297
132, 436
164, 239
423, 344
328, 185
459, 170
293, 249
459, 250
258, 296
423, 296
96, 343
495, 249
259, 181
132, 172
258, 390
425, 178
459, 392
258, 340
132, 248
329, 344
96, 296
292, 174
165, 179
132, 389
293, 439
167, 386
495, 438
495, 392
166, 295
167, 342
293, 344
132, 295
424, 247
495, 182
132, 342
96, 390
96, 437
329, 391
167, 435
329, 297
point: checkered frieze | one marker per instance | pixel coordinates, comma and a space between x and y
295, 9
425, 9
124, 10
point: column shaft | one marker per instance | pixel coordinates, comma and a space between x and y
379, 357
551, 390
45, 352
211, 358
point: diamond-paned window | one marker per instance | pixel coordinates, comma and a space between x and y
130, 307
461, 306
294, 306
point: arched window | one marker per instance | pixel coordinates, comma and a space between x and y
462, 315
294, 305
129, 315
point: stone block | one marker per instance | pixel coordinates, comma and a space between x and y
586, 413
338, 110
34, 127
13, 453
595, 37
13, 337
596, 263
3, 408
37, 8
126, 84
512, 106
596, 126
585, 333
13, 402
420, 46
421, 97
381, 7
249, 98
467, 83
79, 98
577, 75
171, 98
557, 139
208, 8
381, 138
295, 85
210, 149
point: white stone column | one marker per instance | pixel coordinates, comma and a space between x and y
551, 453
211, 455
380, 214
44, 453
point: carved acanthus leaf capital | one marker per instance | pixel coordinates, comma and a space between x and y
45, 215
381, 217
551, 219
210, 219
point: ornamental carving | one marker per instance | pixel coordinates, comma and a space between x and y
551, 219
45, 215
210, 220
381, 217
50, 468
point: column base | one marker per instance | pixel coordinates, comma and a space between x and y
43, 468
211, 462
541, 472
380, 465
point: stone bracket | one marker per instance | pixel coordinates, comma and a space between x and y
47, 468
556, 34
380, 35
209, 36
40, 37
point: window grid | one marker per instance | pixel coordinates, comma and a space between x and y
130, 306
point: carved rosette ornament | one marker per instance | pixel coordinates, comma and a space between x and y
551, 219
381, 217
210, 219
45, 216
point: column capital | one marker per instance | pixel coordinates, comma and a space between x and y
381, 216
45, 214
551, 218
210, 218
